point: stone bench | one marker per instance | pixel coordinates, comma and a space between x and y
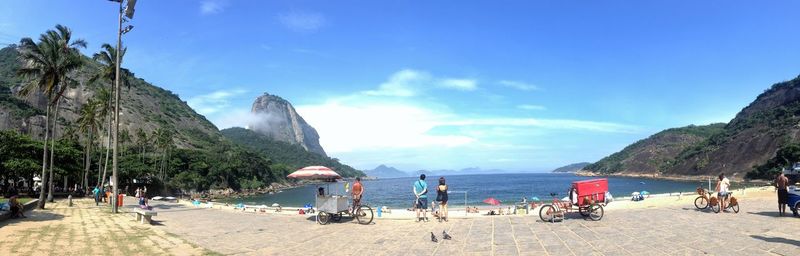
142, 215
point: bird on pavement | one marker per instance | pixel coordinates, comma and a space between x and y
433, 238
446, 236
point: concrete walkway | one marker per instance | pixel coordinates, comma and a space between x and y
86, 229
669, 230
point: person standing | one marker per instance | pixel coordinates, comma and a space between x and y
421, 193
358, 191
441, 196
722, 190
781, 183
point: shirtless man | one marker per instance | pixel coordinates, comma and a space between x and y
783, 194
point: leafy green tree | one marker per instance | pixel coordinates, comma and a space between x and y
47, 64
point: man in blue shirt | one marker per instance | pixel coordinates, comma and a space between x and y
96, 192
421, 194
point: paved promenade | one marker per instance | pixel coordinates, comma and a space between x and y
86, 229
669, 230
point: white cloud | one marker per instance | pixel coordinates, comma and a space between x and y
376, 126
213, 102
302, 21
460, 84
209, 7
403, 83
531, 107
518, 85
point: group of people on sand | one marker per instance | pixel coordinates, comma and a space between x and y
16, 207
420, 189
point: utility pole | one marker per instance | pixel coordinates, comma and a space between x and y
128, 11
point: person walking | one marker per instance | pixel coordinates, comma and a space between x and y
421, 193
441, 197
781, 183
96, 192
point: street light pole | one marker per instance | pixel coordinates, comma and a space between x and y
114, 173
128, 11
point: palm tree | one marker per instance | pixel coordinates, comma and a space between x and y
107, 70
46, 65
104, 110
88, 122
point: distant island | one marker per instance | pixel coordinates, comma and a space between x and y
572, 168
383, 171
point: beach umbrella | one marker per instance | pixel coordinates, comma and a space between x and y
275, 205
315, 173
635, 193
644, 192
535, 199
492, 201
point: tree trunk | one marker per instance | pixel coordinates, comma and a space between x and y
44, 157
52, 152
108, 151
88, 163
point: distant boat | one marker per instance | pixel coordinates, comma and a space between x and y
641, 182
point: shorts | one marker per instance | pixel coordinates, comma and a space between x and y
783, 196
723, 194
422, 203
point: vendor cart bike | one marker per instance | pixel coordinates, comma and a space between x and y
363, 214
707, 200
556, 210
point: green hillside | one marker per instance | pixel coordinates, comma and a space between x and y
291, 155
656, 153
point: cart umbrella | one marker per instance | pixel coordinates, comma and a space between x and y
492, 201
315, 173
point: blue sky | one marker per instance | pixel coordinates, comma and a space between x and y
517, 85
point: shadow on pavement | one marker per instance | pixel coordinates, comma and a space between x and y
32, 216
768, 214
777, 240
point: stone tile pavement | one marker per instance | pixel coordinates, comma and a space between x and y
86, 229
670, 230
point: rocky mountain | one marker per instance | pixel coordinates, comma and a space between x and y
277, 119
465, 171
143, 107
293, 155
571, 168
383, 171
746, 146
656, 153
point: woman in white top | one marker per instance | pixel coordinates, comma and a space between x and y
722, 189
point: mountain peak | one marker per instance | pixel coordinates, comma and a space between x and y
277, 119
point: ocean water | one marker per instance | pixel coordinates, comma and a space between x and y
508, 188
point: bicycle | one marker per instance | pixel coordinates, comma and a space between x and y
733, 204
556, 211
363, 214
701, 202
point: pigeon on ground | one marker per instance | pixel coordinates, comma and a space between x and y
446, 236
433, 238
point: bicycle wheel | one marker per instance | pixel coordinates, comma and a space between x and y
323, 218
735, 208
715, 207
700, 202
364, 215
547, 213
596, 212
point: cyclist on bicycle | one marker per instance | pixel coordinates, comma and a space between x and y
722, 190
358, 191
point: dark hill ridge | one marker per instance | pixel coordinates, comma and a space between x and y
293, 155
143, 106
383, 171
571, 168
655, 153
752, 139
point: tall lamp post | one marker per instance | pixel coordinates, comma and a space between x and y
127, 11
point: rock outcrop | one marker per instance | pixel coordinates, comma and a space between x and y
277, 119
